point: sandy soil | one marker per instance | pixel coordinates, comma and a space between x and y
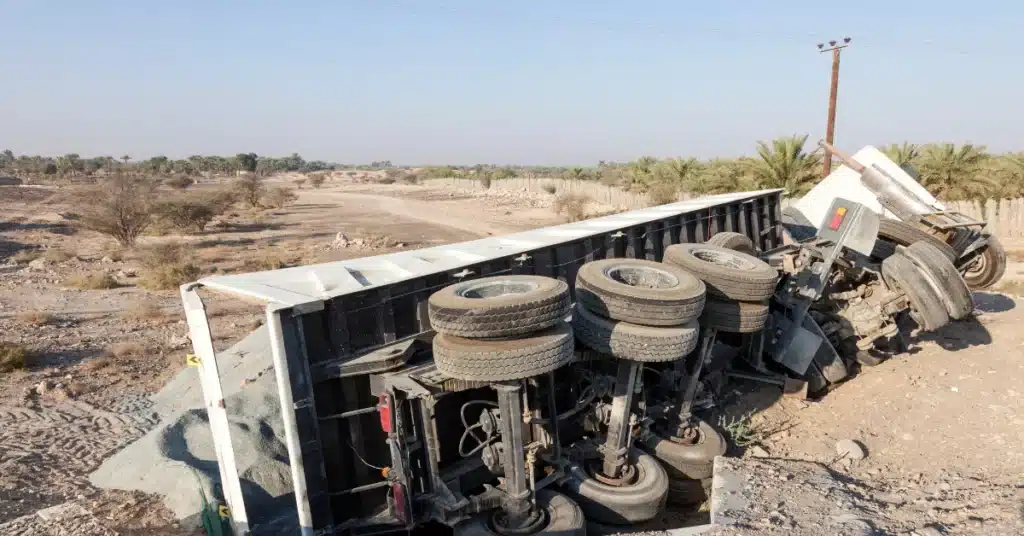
949, 412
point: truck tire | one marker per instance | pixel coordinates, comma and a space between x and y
904, 234
500, 360
728, 274
640, 500
989, 268
734, 241
632, 341
687, 460
500, 306
563, 517
689, 492
640, 292
945, 278
733, 316
927, 309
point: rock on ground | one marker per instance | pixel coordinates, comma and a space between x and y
177, 458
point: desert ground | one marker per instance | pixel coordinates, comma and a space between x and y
943, 426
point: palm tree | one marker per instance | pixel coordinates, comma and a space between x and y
723, 175
907, 153
952, 173
785, 164
680, 172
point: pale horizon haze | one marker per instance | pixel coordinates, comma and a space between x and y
564, 82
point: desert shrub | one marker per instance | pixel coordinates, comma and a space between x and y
279, 196
299, 182
26, 256
166, 266
57, 255
35, 318
550, 188
122, 350
179, 182
220, 200
250, 189
410, 178
316, 180
119, 207
96, 363
12, 357
485, 181
92, 281
144, 311
266, 260
573, 205
662, 193
386, 180
185, 215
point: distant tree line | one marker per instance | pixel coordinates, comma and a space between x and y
950, 171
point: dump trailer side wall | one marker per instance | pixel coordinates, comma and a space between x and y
326, 342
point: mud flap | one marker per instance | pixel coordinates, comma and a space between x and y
809, 345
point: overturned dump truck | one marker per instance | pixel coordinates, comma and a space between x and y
543, 381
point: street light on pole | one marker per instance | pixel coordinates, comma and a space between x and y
835, 47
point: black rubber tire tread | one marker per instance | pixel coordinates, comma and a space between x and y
612, 299
634, 342
867, 359
948, 283
995, 266
904, 234
501, 360
734, 241
754, 283
688, 492
503, 316
927, 307
684, 461
565, 518
640, 501
883, 249
733, 316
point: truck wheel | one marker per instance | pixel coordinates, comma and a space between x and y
734, 316
640, 292
926, 308
904, 234
562, 516
728, 274
689, 492
639, 497
690, 458
634, 342
734, 241
944, 277
989, 267
500, 306
500, 360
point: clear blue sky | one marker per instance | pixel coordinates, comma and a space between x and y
486, 81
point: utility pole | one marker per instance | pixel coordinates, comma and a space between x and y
830, 129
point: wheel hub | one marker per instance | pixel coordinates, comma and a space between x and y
686, 435
530, 523
627, 475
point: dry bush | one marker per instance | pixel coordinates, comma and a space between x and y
35, 318
12, 357
299, 182
166, 266
550, 188
92, 281
266, 260
316, 180
662, 193
410, 178
96, 363
185, 215
123, 350
279, 196
485, 181
57, 255
572, 204
144, 311
26, 256
179, 182
120, 207
249, 189
220, 200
